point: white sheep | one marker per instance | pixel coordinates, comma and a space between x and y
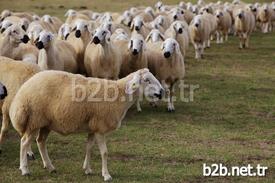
200, 31
14, 45
13, 74
55, 54
166, 62
179, 31
264, 16
244, 26
224, 25
101, 56
54, 109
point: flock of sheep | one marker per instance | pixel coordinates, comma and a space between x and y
97, 48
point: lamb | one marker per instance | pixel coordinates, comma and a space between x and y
200, 31
55, 54
13, 74
72, 114
11, 46
178, 30
101, 56
224, 25
3, 91
166, 62
155, 36
244, 26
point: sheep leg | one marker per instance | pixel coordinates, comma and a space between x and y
246, 42
197, 51
218, 37
208, 43
168, 94
25, 143
86, 164
172, 97
41, 143
101, 142
138, 106
4, 128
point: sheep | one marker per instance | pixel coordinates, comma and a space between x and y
188, 16
69, 115
72, 15
64, 31
119, 34
13, 74
180, 32
139, 26
176, 14
8, 13
54, 21
3, 91
264, 16
244, 26
125, 19
4, 25
200, 31
33, 31
101, 56
224, 25
166, 62
155, 36
213, 24
11, 46
55, 54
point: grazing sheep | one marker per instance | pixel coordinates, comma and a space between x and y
101, 56
55, 54
155, 36
11, 45
224, 25
244, 26
3, 91
166, 62
179, 31
13, 74
53, 108
200, 31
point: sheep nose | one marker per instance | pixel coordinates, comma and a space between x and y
135, 52
167, 54
66, 36
218, 16
180, 30
240, 15
2, 30
136, 28
175, 17
25, 39
197, 25
4, 94
160, 94
254, 9
96, 40
39, 45
129, 24
77, 33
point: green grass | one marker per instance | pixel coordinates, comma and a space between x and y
231, 121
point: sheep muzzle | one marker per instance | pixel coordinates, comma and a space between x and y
180, 30
78, 33
96, 40
39, 45
25, 39
4, 94
167, 54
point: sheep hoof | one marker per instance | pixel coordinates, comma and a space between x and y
171, 110
0, 151
107, 177
88, 171
25, 171
53, 171
30, 156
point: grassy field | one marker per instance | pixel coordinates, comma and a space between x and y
231, 121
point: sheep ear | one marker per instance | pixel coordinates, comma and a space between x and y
130, 44
162, 46
132, 26
108, 36
133, 84
148, 37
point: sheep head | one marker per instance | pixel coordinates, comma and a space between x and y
145, 80
64, 31
136, 44
80, 27
44, 39
4, 25
101, 36
155, 35
16, 34
169, 47
137, 23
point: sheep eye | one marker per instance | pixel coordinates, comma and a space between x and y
147, 80
103, 32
